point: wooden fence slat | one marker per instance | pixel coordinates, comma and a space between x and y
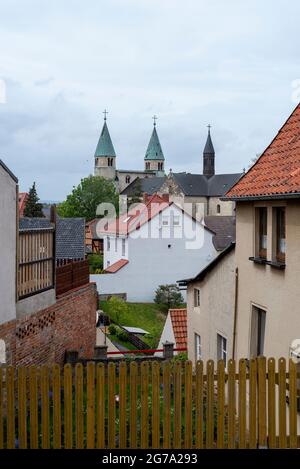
22, 407
166, 406
231, 404
252, 404
242, 403
262, 398
33, 395
271, 404
210, 404
68, 407
282, 402
1, 409
133, 406
10, 388
199, 404
144, 405
293, 403
177, 404
122, 405
45, 407
100, 406
221, 403
56, 390
111, 405
90, 415
79, 405
155, 405
188, 399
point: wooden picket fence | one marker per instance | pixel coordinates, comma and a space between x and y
151, 405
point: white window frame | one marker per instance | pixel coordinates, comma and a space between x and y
179, 220
165, 218
197, 297
198, 347
108, 243
123, 246
222, 352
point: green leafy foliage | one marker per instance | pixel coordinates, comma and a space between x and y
33, 208
116, 309
112, 329
168, 296
95, 263
85, 198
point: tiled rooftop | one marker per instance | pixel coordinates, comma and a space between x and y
179, 324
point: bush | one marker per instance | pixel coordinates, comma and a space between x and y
112, 329
116, 308
168, 296
95, 263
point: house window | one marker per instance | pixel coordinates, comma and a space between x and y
123, 247
280, 234
176, 220
198, 350
196, 297
218, 208
127, 179
165, 221
262, 220
222, 348
108, 243
147, 165
258, 325
116, 244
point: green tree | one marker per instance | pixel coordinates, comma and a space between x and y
85, 198
168, 296
33, 208
116, 308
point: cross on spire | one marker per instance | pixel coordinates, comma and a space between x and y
154, 120
105, 112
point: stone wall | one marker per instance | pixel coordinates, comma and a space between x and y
43, 337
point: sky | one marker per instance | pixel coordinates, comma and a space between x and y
233, 64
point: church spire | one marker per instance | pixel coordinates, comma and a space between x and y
105, 146
209, 156
154, 157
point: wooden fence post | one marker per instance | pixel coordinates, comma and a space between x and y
122, 405
155, 405
221, 404
22, 407
262, 397
90, 416
100, 406
177, 404
199, 404
271, 404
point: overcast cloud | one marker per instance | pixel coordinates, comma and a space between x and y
228, 63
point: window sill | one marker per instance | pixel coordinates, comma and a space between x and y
258, 260
276, 264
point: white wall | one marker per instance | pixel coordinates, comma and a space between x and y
115, 252
7, 247
167, 335
160, 259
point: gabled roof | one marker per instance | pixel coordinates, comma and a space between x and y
154, 150
209, 267
149, 185
224, 229
105, 146
8, 171
70, 238
31, 224
277, 172
23, 196
179, 325
198, 185
112, 269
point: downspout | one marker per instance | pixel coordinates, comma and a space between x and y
235, 311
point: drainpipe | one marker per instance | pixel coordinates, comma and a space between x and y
235, 311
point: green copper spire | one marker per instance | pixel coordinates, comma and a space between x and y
154, 151
105, 146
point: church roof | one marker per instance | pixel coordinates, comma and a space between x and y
198, 185
105, 146
149, 185
154, 151
209, 148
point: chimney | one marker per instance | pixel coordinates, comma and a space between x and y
53, 214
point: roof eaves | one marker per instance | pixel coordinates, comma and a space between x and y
11, 174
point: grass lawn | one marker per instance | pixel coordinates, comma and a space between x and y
125, 344
144, 315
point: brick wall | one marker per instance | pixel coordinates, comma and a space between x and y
44, 337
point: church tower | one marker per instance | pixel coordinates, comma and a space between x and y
154, 158
208, 157
105, 156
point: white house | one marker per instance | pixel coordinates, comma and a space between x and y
153, 244
175, 331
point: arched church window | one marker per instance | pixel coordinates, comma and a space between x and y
218, 208
127, 179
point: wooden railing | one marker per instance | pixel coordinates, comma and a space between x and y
151, 405
36, 262
71, 275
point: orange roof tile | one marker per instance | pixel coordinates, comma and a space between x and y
179, 324
112, 269
23, 196
277, 171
